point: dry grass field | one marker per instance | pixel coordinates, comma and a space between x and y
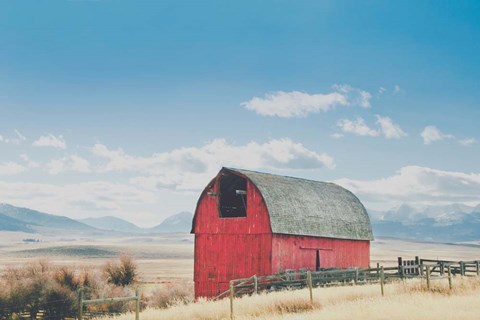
160, 258
409, 300
165, 263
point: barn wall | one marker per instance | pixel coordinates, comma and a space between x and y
295, 252
230, 248
220, 258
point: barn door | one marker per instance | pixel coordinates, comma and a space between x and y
317, 260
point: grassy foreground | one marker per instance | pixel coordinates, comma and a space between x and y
409, 300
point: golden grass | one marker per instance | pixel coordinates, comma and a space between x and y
402, 300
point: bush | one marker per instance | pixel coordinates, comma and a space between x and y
41, 286
123, 273
171, 294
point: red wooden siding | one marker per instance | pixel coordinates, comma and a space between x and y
295, 252
230, 248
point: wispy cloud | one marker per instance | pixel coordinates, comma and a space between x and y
189, 168
71, 163
336, 135
50, 141
397, 89
108, 197
11, 168
390, 129
300, 104
386, 127
29, 163
432, 134
17, 139
357, 127
467, 142
416, 184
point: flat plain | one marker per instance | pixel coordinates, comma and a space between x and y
167, 258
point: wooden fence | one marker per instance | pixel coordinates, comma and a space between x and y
82, 303
429, 270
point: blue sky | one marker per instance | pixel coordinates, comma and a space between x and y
139, 103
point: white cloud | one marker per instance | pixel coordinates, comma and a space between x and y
11, 168
28, 162
357, 127
300, 104
382, 90
467, 142
386, 127
336, 135
70, 163
188, 168
78, 199
50, 141
431, 134
421, 185
18, 139
397, 89
20, 136
390, 129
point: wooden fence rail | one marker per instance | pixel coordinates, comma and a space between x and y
82, 302
418, 268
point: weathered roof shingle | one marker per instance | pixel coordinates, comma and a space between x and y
311, 208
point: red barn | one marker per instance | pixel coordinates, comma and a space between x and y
250, 223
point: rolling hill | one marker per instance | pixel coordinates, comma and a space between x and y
112, 224
180, 222
10, 224
35, 220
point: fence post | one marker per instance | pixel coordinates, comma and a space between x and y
428, 277
477, 263
356, 276
417, 263
462, 268
400, 267
382, 279
231, 300
255, 283
309, 283
449, 270
80, 304
137, 304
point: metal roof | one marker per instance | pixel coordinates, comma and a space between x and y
311, 208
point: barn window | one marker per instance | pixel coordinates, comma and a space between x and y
233, 196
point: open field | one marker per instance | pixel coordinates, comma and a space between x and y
163, 258
409, 300
165, 262
160, 258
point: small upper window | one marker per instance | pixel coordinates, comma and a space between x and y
233, 196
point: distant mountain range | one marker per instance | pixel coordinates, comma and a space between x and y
449, 223
27, 220
180, 222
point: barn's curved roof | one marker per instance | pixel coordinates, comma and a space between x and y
311, 208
